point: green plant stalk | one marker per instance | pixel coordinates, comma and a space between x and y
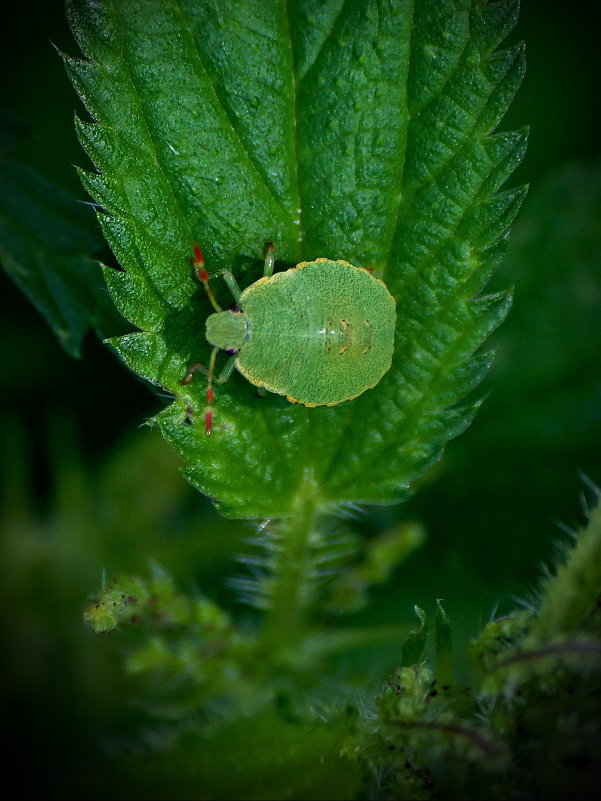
570, 595
291, 567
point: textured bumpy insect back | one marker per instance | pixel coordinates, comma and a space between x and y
320, 334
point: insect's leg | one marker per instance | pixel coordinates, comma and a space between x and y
197, 367
269, 259
229, 279
227, 370
223, 377
197, 261
210, 393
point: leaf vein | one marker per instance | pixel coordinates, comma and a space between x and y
151, 135
401, 159
420, 407
325, 40
441, 89
294, 126
230, 116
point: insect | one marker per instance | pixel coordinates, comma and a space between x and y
320, 333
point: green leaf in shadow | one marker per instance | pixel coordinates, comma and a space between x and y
261, 757
47, 239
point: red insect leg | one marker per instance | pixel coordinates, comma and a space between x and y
210, 394
197, 261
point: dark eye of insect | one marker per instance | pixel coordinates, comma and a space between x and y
232, 351
235, 308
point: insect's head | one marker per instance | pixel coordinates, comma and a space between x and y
227, 330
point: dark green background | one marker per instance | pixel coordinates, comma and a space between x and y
86, 489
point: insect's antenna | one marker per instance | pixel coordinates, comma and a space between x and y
210, 393
197, 261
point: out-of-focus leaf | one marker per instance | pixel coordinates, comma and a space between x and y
47, 241
547, 380
265, 757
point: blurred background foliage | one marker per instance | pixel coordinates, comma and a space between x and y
88, 492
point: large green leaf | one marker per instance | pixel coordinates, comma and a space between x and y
358, 130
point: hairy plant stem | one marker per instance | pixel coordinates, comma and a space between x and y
292, 569
571, 594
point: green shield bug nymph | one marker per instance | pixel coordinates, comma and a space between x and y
320, 333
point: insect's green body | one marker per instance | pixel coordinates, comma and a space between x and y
320, 333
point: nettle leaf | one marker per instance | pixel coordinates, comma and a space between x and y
47, 238
357, 130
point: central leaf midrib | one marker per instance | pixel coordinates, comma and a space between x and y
397, 195
294, 171
392, 227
